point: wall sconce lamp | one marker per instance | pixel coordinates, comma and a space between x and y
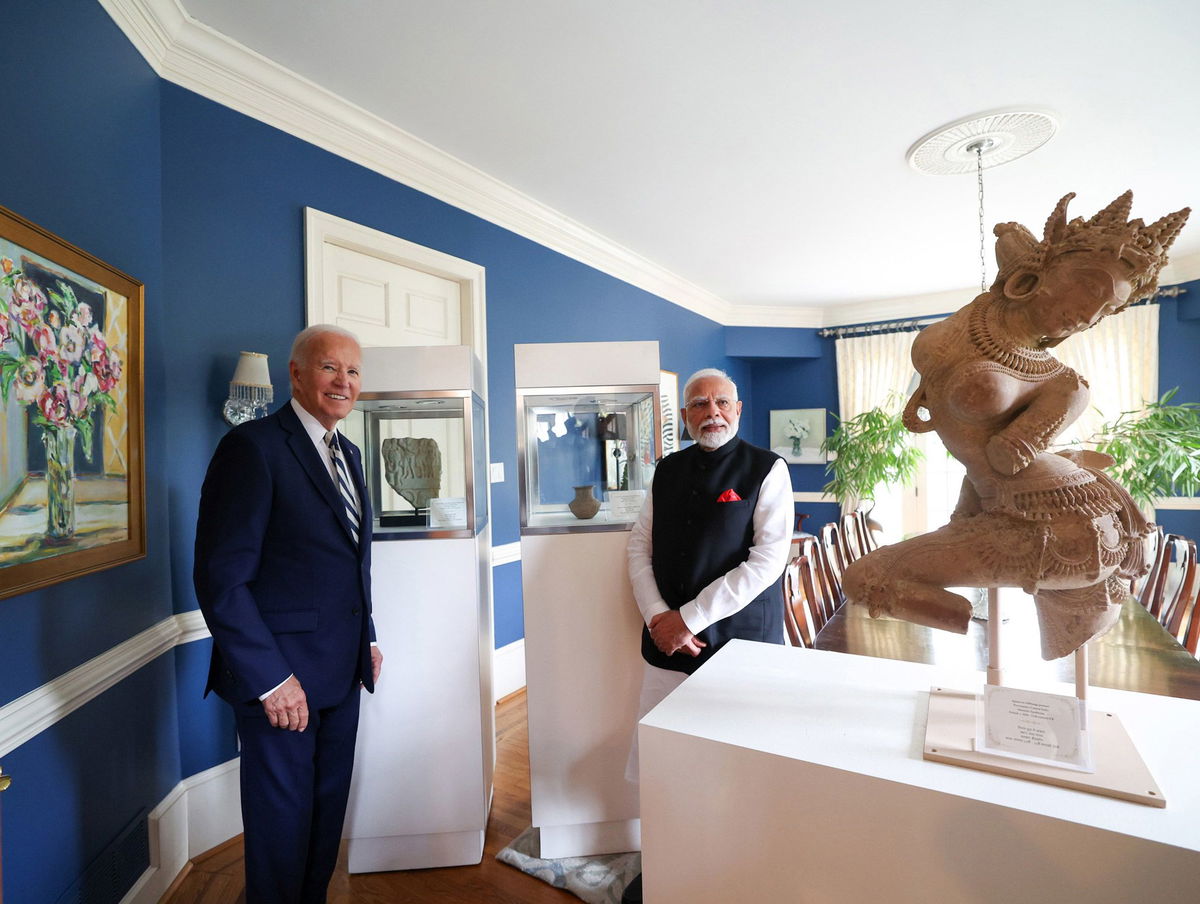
250, 390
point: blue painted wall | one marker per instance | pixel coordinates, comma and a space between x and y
789, 368
1178, 342
80, 157
234, 192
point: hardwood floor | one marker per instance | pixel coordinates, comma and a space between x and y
216, 876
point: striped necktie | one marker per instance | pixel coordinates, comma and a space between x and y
343, 482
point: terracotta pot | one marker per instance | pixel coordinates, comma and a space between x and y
585, 504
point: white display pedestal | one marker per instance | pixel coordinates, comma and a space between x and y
426, 749
426, 740
583, 663
777, 774
583, 667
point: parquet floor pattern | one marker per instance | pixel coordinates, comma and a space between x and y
216, 876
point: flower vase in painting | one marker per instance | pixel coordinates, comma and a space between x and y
55, 360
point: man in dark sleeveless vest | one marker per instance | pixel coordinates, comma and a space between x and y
708, 550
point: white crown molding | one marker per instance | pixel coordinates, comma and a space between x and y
1180, 270
190, 54
775, 315
911, 307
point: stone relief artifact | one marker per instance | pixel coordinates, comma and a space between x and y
413, 468
1052, 524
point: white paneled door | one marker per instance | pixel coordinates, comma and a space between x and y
389, 291
389, 304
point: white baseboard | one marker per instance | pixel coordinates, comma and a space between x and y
204, 810
201, 812
508, 669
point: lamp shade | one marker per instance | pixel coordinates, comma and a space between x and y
250, 389
252, 370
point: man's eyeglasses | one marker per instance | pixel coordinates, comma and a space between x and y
722, 403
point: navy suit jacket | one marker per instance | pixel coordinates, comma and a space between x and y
282, 585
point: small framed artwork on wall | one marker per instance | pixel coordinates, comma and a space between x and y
668, 412
797, 434
71, 475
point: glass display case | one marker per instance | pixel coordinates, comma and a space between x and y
586, 456
423, 460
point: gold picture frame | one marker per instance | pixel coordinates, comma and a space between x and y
72, 475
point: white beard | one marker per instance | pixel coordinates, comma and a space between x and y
717, 438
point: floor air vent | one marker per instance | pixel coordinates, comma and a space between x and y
117, 868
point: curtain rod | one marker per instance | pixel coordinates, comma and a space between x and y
903, 326
889, 326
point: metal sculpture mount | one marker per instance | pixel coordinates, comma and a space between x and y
1053, 524
413, 468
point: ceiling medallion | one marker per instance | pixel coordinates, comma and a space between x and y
993, 138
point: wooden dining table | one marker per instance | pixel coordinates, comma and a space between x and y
1136, 654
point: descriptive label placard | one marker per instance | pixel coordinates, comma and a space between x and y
1033, 725
625, 505
448, 512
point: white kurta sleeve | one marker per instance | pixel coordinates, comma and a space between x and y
774, 516
641, 572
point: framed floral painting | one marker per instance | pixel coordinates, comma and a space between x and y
72, 483
797, 434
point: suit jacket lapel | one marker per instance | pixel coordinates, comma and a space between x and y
316, 469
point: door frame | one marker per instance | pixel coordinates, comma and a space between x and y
323, 228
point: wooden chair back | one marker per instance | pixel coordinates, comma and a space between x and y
796, 618
850, 527
1148, 591
1179, 590
834, 554
1189, 632
816, 582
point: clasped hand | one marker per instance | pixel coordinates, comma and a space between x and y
671, 635
287, 706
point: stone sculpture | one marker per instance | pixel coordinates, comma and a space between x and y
413, 468
1052, 524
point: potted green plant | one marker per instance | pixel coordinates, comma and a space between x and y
869, 450
1156, 450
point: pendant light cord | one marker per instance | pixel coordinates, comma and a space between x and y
982, 258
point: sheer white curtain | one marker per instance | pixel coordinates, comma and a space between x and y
1119, 359
870, 369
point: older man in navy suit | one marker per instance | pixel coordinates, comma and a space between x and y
283, 576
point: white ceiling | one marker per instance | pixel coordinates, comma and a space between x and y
756, 148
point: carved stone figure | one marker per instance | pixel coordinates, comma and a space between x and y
413, 468
1052, 524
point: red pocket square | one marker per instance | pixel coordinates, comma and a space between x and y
729, 496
